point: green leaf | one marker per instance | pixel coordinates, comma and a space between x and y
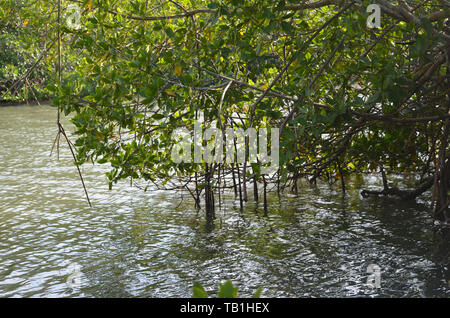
158, 116
169, 32
287, 27
199, 291
213, 5
227, 290
258, 292
157, 27
102, 160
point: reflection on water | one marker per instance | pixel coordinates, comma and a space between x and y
146, 244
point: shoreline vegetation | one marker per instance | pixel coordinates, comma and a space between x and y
7, 103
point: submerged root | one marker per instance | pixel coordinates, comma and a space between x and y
402, 194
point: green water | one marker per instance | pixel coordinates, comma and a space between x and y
133, 243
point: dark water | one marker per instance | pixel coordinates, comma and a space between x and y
154, 244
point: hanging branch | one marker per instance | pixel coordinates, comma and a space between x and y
61, 130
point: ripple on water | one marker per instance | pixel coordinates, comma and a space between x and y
148, 244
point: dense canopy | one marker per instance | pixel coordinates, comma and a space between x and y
346, 96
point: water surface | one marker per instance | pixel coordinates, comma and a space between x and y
133, 243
